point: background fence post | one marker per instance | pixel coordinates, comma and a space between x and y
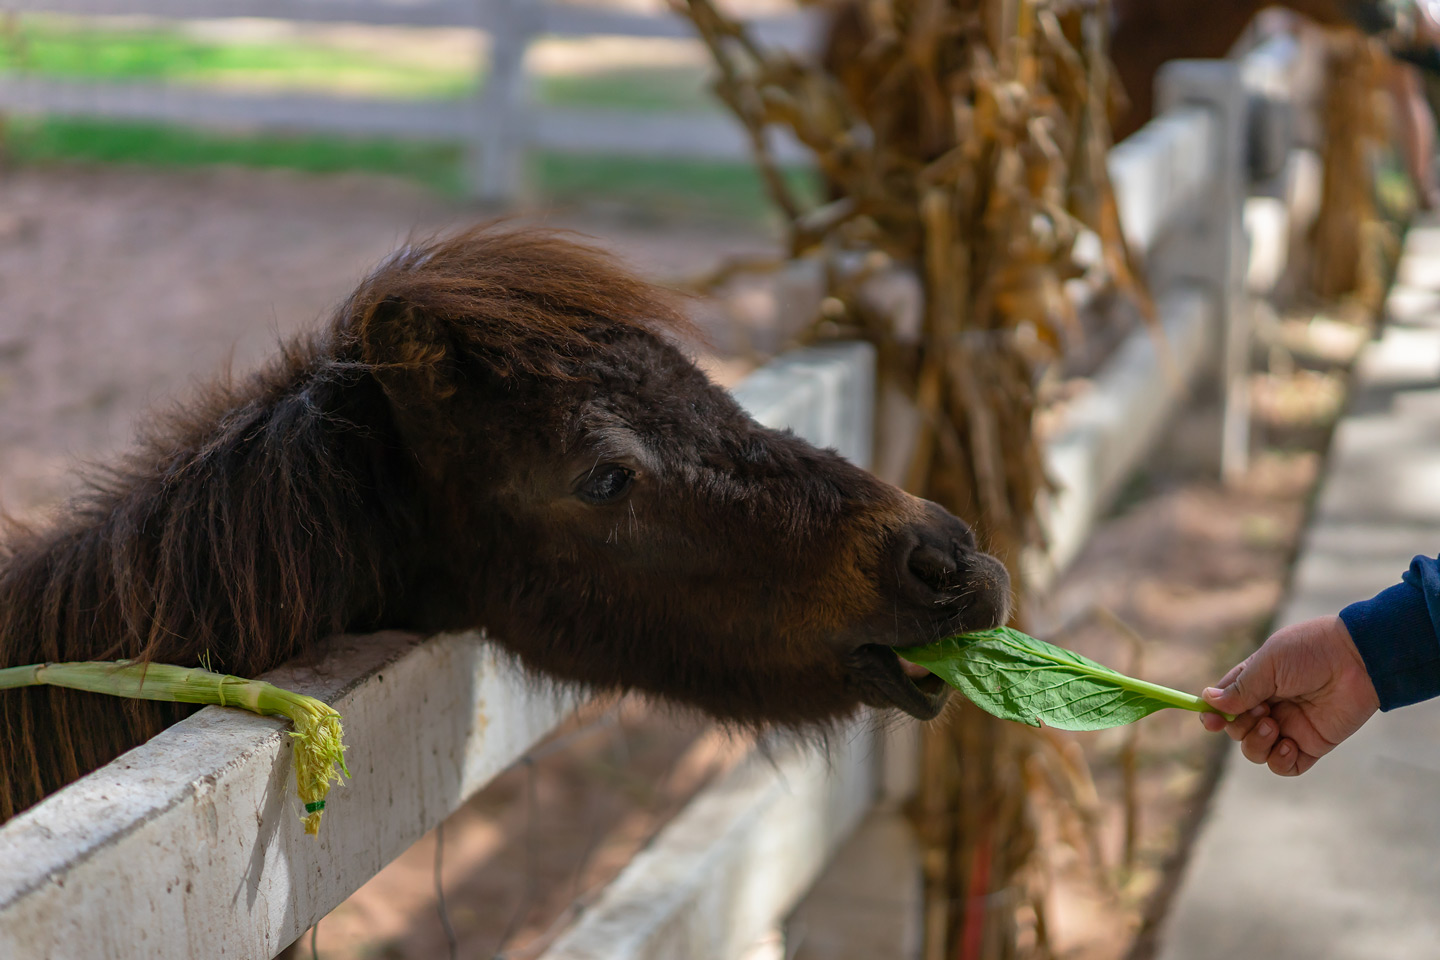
1209, 246
501, 132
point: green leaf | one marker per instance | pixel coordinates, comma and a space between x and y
1017, 677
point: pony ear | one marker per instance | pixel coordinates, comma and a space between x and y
409, 351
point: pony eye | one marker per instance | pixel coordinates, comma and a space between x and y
607, 484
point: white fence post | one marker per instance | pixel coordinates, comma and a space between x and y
1210, 246
502, 129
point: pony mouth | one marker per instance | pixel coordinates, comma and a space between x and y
883, 680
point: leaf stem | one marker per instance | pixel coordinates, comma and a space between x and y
319, 748
12, 678
1175, 698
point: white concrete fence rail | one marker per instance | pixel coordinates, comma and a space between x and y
501, 124
1182, 186
190, 845
1179, 187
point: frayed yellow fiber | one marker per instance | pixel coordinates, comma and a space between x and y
319, 753
319, 743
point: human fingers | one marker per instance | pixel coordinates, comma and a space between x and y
1230, 675
1241, 727
1298, 727
1245, 686
1215, 722
1259, 742
1288, 760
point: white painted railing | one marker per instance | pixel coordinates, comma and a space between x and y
736, 861
1181, 185
1178, 188
501, 124
191, 845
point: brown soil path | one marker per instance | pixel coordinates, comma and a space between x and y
120, 289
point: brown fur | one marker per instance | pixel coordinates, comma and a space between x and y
1149, 33
419, 463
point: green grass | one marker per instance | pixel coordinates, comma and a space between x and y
48, 141
726, 191
729, 191
647, 88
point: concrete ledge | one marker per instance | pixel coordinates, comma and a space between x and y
1110, 429
1160, 172
736, 861
822, 392
870, 902
191, 844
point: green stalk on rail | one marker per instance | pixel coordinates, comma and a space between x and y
319, 748
1016, 677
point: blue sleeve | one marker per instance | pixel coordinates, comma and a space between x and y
1396, 634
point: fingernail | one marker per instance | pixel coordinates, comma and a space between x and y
1257, 711
1284, 749
1211, 693
1266, 728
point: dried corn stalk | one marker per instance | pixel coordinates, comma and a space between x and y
963, 141
1347, 248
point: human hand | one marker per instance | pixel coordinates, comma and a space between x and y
1296, 698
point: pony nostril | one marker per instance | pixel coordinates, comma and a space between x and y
933, 567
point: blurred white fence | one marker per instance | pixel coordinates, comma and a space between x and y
1183, 186
190, 845
500, 124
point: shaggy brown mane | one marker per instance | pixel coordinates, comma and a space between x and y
544, 298
280, 508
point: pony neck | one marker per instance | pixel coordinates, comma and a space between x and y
241, 534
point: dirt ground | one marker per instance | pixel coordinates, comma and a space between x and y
120, 289
1196, 570
523, 857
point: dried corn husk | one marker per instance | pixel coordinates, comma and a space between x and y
964, 140
1347, 256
